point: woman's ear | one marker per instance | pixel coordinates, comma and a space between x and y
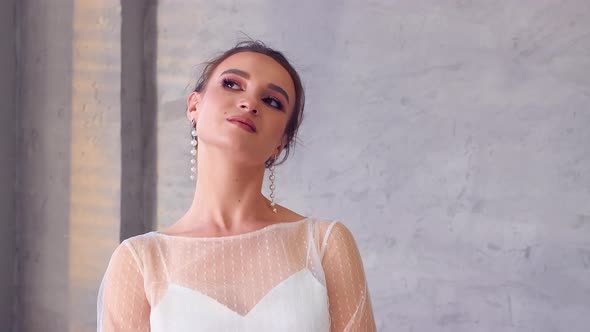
282, 145
192, 103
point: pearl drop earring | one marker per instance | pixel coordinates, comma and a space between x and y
272, 186
194, 145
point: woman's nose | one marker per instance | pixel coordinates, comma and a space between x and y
248, 106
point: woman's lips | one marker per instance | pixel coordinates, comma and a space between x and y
244, 120
242, 125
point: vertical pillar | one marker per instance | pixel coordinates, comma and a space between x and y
138, 116
95, 160
8, 162
44, 143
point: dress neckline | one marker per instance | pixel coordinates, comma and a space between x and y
235, 236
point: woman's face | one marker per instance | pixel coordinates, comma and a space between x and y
242, 83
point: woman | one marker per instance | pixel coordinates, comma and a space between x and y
237, 261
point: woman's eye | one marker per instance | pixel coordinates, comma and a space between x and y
274, 103
230, 84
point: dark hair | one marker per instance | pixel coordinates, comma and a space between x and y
259, 47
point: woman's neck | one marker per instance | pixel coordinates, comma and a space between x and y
228, 192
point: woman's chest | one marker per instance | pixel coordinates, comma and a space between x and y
297, 303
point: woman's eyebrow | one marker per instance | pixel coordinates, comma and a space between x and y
247, 76
237, 72
279, 90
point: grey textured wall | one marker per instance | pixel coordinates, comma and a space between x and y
8, 160
70, 159
450, 137
43, 204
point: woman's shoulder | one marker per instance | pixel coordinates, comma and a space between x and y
139, 239
138, 245
327, 224
331, 229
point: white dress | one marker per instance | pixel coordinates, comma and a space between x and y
305, 275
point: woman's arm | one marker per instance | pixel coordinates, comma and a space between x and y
122, 303
350, 303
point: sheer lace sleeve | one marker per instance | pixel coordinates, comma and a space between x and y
350, 303
122, 303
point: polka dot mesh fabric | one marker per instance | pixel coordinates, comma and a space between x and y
298, 276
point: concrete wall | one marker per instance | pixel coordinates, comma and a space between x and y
70, 159
450, 136
8, 160
45, 58
96, 154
